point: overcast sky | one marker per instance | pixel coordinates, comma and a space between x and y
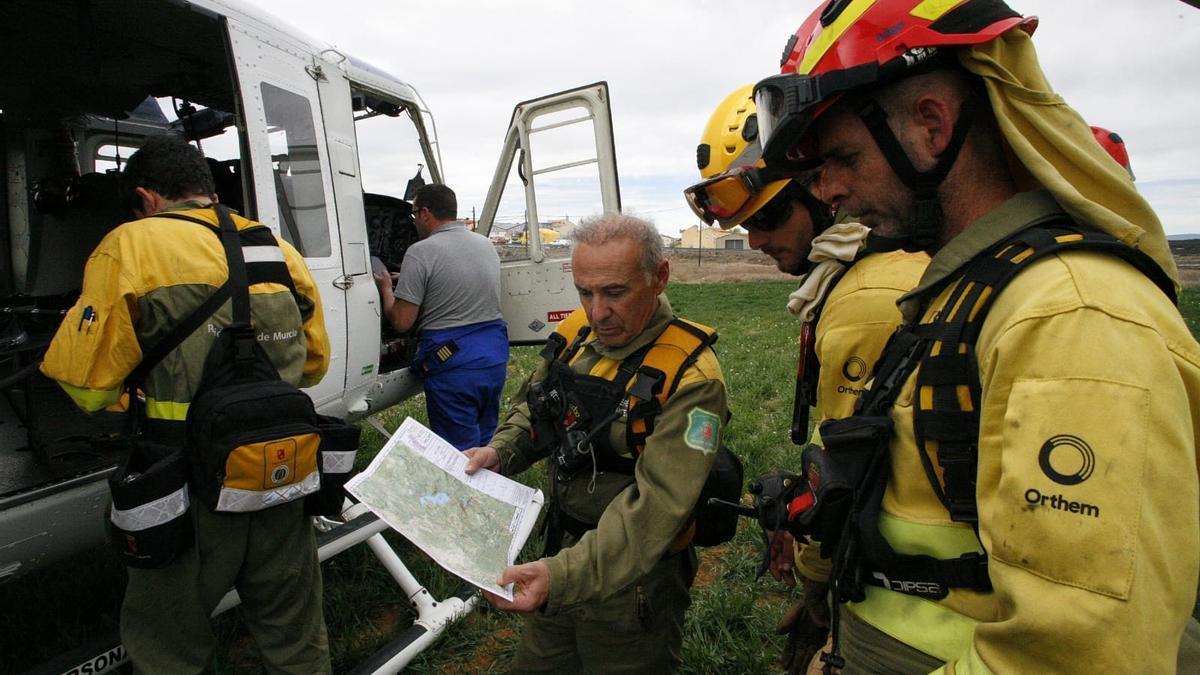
1127, 66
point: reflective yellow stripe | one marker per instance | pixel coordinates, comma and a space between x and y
919, 623
831, 33
166, 410
932, 10
92, 400
939, 541
922, 624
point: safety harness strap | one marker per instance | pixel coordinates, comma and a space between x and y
659, 369
947, 400
946, 415
673, 352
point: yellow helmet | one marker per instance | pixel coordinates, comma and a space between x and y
736, 184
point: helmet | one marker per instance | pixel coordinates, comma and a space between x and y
850, 44
737, 187
1114, 145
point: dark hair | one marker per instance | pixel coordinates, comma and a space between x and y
439, 199
170, 166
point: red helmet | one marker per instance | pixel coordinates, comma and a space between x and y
1114, 145
849, 44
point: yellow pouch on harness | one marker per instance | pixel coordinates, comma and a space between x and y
273, 463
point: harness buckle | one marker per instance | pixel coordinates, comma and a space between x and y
958, 462
243, 343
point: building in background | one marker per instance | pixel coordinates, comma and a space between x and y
700, 236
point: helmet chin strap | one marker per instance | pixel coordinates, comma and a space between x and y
927, 208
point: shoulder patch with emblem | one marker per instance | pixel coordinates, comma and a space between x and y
703, 430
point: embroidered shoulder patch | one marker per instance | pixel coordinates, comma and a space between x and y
702, 430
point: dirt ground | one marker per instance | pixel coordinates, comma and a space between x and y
689, 267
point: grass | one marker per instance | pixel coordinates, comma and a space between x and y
729, 627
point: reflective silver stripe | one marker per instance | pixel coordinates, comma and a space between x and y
337, 462
157, 512
262, 254
245, 501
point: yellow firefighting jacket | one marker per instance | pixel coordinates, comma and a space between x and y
1087, 493
859, 316
148, 275
638, 518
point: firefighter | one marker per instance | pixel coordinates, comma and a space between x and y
627, 465
846, 303
145, 277
1032, 502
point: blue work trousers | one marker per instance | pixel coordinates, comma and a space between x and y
463, 404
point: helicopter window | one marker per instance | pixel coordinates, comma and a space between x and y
389, 149
112, 157
296, 164
392, 166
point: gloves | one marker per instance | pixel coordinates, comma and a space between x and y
806, 625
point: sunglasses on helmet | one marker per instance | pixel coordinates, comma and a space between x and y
724, 197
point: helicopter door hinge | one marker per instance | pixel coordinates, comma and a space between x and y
343, 282
315, 72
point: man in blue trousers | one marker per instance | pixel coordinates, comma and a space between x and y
449, 292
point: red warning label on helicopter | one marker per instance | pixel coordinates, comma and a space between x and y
555, 317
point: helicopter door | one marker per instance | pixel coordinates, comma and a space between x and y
559, 151
291, 176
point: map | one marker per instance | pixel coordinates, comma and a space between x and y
473, 526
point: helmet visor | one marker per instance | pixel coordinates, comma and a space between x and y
785, 105
789, 103
725, 197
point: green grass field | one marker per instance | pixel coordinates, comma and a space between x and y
730, 625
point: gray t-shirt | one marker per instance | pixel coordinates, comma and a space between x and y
454, 275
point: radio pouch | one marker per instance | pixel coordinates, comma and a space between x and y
339, 446
837, 472
716, 524
149, 520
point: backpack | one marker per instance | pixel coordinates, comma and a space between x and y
254, 440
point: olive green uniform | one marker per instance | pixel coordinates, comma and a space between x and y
617, 597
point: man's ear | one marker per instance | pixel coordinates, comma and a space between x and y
934, 115
661, 276
151, 201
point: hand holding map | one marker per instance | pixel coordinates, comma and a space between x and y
473, 526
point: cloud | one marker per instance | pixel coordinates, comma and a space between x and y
1126, 66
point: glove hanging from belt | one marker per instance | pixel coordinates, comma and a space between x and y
806, 625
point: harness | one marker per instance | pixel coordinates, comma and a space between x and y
946, 417
573, 412
258, 269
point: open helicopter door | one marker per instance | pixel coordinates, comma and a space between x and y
566, 165
291, 178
